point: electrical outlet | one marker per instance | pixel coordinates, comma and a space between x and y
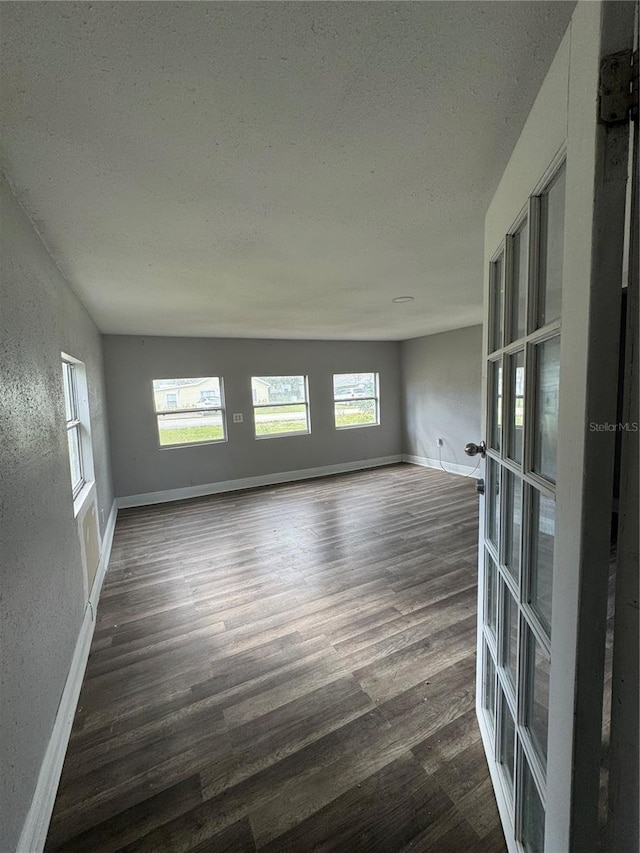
440, 442
238, 417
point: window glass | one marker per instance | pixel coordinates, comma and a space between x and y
537, 699
75, 459
495, 404
507, 740
543, 529
189, 410
280, 405
185, 428
491, 594
74, 426
489, 694
356, 400
493, 501
532, 814
545, 442
197, 393
551, 250
516, 406
519, 283
510, 635
69, 402
347, 386
513, 525
497, 303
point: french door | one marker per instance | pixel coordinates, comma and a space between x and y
554, 237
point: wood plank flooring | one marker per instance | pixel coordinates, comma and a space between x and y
286, 669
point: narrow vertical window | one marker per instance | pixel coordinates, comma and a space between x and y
74, 438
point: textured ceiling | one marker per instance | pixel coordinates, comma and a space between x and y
269, 169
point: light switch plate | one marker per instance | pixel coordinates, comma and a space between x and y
237, 417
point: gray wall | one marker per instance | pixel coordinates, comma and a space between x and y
140, 466
441, 381
41, 573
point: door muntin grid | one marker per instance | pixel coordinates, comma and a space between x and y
524, 352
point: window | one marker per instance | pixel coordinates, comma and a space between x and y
189, 411
74, 426
280, 405
78, 424
356, 400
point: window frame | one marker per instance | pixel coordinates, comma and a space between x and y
158, 413
74, 423
375, 399
304, 403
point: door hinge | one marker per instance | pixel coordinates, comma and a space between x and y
619, 87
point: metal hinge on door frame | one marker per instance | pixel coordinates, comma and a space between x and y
619, 87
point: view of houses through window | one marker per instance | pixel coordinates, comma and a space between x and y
356, 400
192, 411
189, 411
280, 405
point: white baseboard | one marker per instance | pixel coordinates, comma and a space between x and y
449, 467
252, 482
36, 825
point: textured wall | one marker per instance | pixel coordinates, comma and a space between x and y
441, 377
41, 583
140, 466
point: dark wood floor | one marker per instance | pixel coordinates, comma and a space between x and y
286, 669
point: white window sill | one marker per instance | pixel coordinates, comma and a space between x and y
282, 434
192, 444
82, 498
357, 426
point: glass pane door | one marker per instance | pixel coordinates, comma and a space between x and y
523, 376
554, 241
